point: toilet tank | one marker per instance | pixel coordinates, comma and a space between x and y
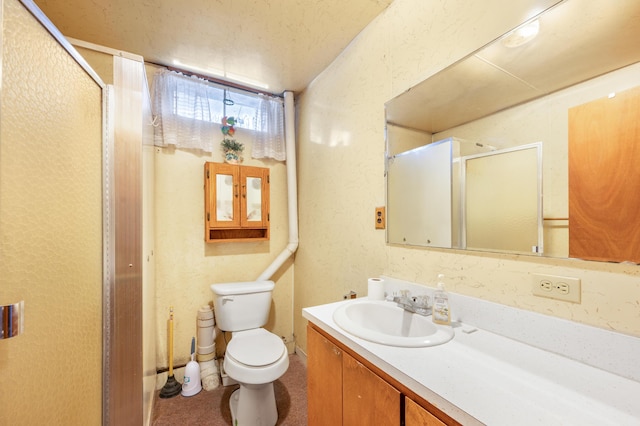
242, 305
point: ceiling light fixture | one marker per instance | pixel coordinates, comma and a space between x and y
522, 35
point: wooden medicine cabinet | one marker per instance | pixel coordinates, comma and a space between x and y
236, 202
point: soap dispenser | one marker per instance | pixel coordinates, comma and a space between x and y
441, 314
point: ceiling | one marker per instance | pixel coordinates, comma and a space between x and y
274, 45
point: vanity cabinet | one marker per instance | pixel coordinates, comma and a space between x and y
236, 202
366, 398
344, 389
324, 380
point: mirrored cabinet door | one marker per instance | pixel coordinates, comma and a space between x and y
226, 197
254, 187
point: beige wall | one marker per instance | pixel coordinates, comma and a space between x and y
186, 266
341, 175
50, 229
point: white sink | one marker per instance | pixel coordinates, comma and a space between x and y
388, 324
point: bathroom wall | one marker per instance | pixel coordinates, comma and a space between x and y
50, 228
341, 175
186, 266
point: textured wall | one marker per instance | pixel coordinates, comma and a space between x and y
50, 229
186, 266
341, 177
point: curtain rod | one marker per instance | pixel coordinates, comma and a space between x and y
216, 80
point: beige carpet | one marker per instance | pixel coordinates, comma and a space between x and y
211, 408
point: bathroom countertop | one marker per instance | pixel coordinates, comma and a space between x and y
481, 377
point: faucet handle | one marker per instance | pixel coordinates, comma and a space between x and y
423, 300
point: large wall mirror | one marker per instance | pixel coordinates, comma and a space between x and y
499, 124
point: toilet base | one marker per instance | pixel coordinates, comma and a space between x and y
254, 405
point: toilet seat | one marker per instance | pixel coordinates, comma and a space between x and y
255, 348
256, 357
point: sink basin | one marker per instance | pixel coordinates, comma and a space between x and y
385, 323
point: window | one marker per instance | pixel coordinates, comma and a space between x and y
189, 111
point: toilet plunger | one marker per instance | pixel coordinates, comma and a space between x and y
172, 387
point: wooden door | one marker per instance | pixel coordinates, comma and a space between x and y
254, 196
366, 398
222, 197
324, 381
604, 178
415, 415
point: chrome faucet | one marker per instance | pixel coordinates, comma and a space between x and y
416, 304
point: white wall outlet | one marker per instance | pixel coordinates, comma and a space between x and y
557, 287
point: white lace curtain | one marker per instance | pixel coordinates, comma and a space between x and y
188, 112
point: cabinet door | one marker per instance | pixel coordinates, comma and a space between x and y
224, 196
324, 381
415, 415
367, 399
254, 190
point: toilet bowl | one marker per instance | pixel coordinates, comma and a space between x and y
254, 357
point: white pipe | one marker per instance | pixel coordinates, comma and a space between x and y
292, 189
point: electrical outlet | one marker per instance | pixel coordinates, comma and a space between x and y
380, 219
351, 295
557, 287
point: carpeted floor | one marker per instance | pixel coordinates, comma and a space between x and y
211, 408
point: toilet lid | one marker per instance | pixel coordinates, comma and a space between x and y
256, 347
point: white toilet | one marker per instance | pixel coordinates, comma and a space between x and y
255, 358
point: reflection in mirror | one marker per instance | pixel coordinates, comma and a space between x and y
224, 198
457, 195
604, 179
509, 178
420, 180
594, 53
254, 199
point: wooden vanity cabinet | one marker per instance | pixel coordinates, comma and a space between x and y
236, 202
344, 389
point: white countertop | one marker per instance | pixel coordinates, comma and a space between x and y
484, 378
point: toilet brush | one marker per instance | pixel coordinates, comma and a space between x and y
192, 384
172, 387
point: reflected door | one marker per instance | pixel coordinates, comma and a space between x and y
604, 178
419, 196
236, 203
503, 200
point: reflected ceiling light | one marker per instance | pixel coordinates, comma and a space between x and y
221, 74
522, 35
